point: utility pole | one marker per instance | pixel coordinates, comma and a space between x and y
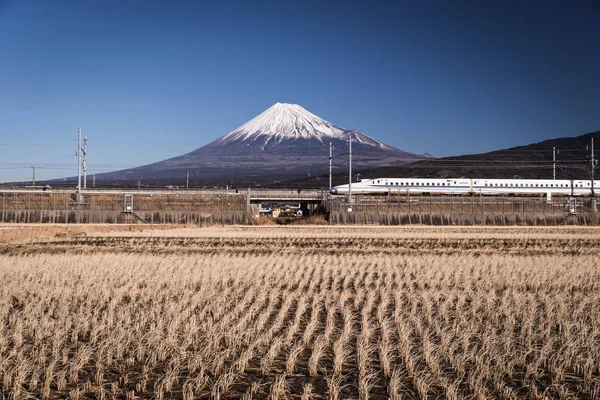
330, 161
79, 161
592, 170
349, 166
554, 163
94, 180
33, 176
85, 161
187, 179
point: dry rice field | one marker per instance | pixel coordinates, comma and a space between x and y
307, 312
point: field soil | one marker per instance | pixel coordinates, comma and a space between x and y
299, 312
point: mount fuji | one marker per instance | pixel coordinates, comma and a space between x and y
283, 142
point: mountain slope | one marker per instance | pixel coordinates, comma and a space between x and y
529, 161
283, 142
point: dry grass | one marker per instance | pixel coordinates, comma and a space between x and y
334, 313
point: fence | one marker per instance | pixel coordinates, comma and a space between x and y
232, 207
121, 207
474, 210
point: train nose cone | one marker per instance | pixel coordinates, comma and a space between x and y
333, 191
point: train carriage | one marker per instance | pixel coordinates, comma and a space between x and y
457, 186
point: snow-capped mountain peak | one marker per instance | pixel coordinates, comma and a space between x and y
282, 142
285, 121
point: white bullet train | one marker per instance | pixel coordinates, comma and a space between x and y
548, 187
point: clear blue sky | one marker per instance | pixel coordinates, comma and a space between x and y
148, 80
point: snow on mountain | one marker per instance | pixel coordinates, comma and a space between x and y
284, 121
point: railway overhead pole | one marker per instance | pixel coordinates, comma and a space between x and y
554, 152
79, 161
350, 167
592, 170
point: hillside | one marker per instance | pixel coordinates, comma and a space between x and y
529, 161
284, 142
